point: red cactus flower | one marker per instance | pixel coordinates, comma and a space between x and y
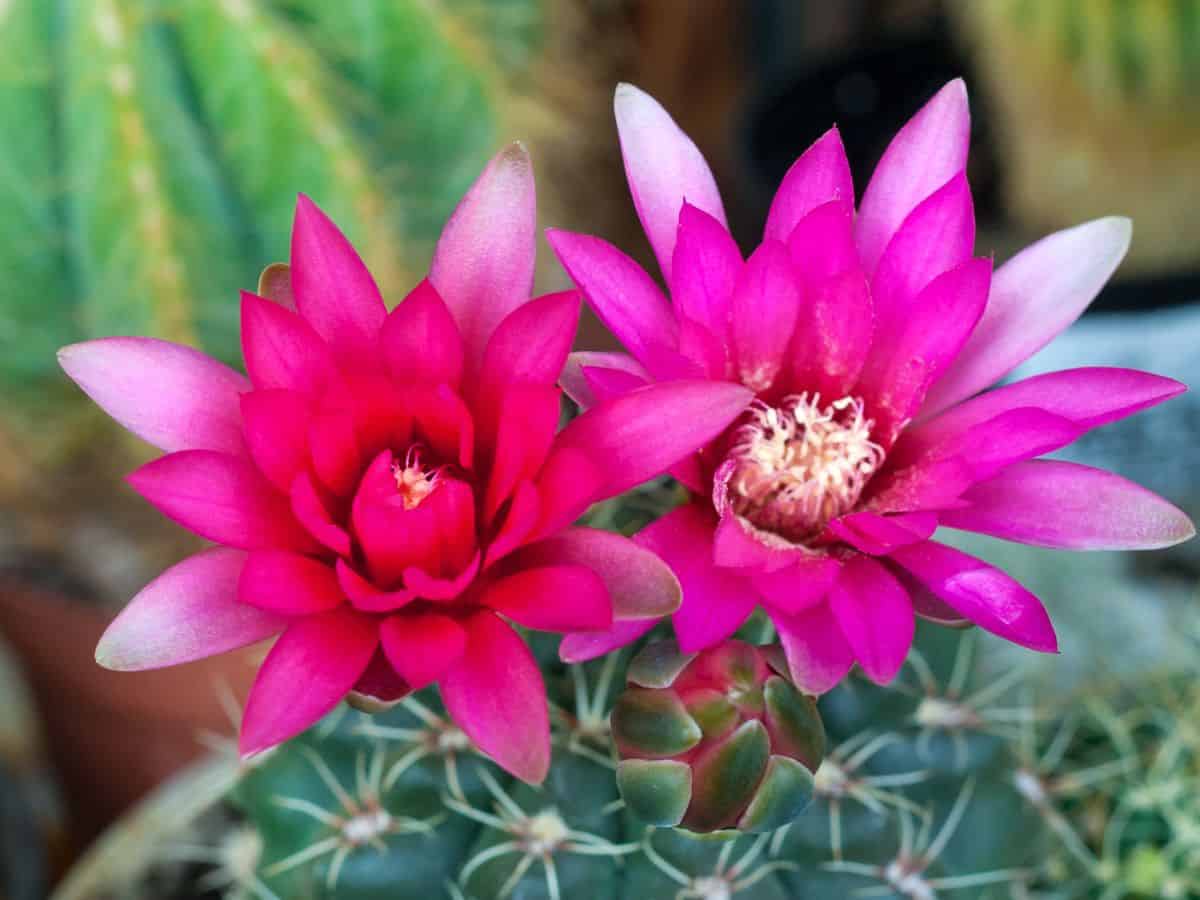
388, 490
867, 336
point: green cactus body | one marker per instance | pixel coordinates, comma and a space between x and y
925, 789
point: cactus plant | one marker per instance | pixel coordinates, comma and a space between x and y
399, 805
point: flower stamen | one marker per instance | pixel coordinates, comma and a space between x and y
413, 481
800, 464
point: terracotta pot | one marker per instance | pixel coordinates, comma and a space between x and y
112, 736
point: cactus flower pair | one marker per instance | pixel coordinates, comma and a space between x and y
868, 335
390, 492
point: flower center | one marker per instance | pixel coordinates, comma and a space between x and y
799, 464
413, 481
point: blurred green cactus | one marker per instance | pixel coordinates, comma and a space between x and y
154, 149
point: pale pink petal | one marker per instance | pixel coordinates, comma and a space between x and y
820, 175
664, 168
495, 693
288, 583
1089, 397
1067, 506
281, 350
276, 433
937, 236
483, 264
170, 395
639, 583
833, 336
580, 646
715, 601
310, 511
878, 535
798, 587
575, 383
818, 654
907, 359
982, 593
1034, 297
876, 616
625, 298
334, 291
189, 612
222, 498
312, 666
704, 270
421, 647
629, 441
420, 342
552, 598
764, 306
929, 150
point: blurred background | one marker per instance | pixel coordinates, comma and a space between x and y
150, 154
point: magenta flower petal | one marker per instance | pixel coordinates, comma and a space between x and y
819, 176
798, 587
981, 593
275, 428
528, 419
422, 647
530, 346
281, 350
288, 583
172, 396
924, 486
222, 498
189, 612
1088, 397
575, 382
525, 513
309, 510
735, 545
1070, 507
936, 237
715, 602
764, 304
625, 438
833, 334
624, 297
334, 450
1034, 296
312, 666
817, 652
923, 156
916, 349
483, 264
581, 646
420, 341
496, 695
363, 594
822, 243
1011, 437
704, 269
664, 168
876, 616
429, 587
552, 598
334, 291
878, 535
640, 585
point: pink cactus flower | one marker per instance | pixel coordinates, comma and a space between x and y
390, 492
868, 336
